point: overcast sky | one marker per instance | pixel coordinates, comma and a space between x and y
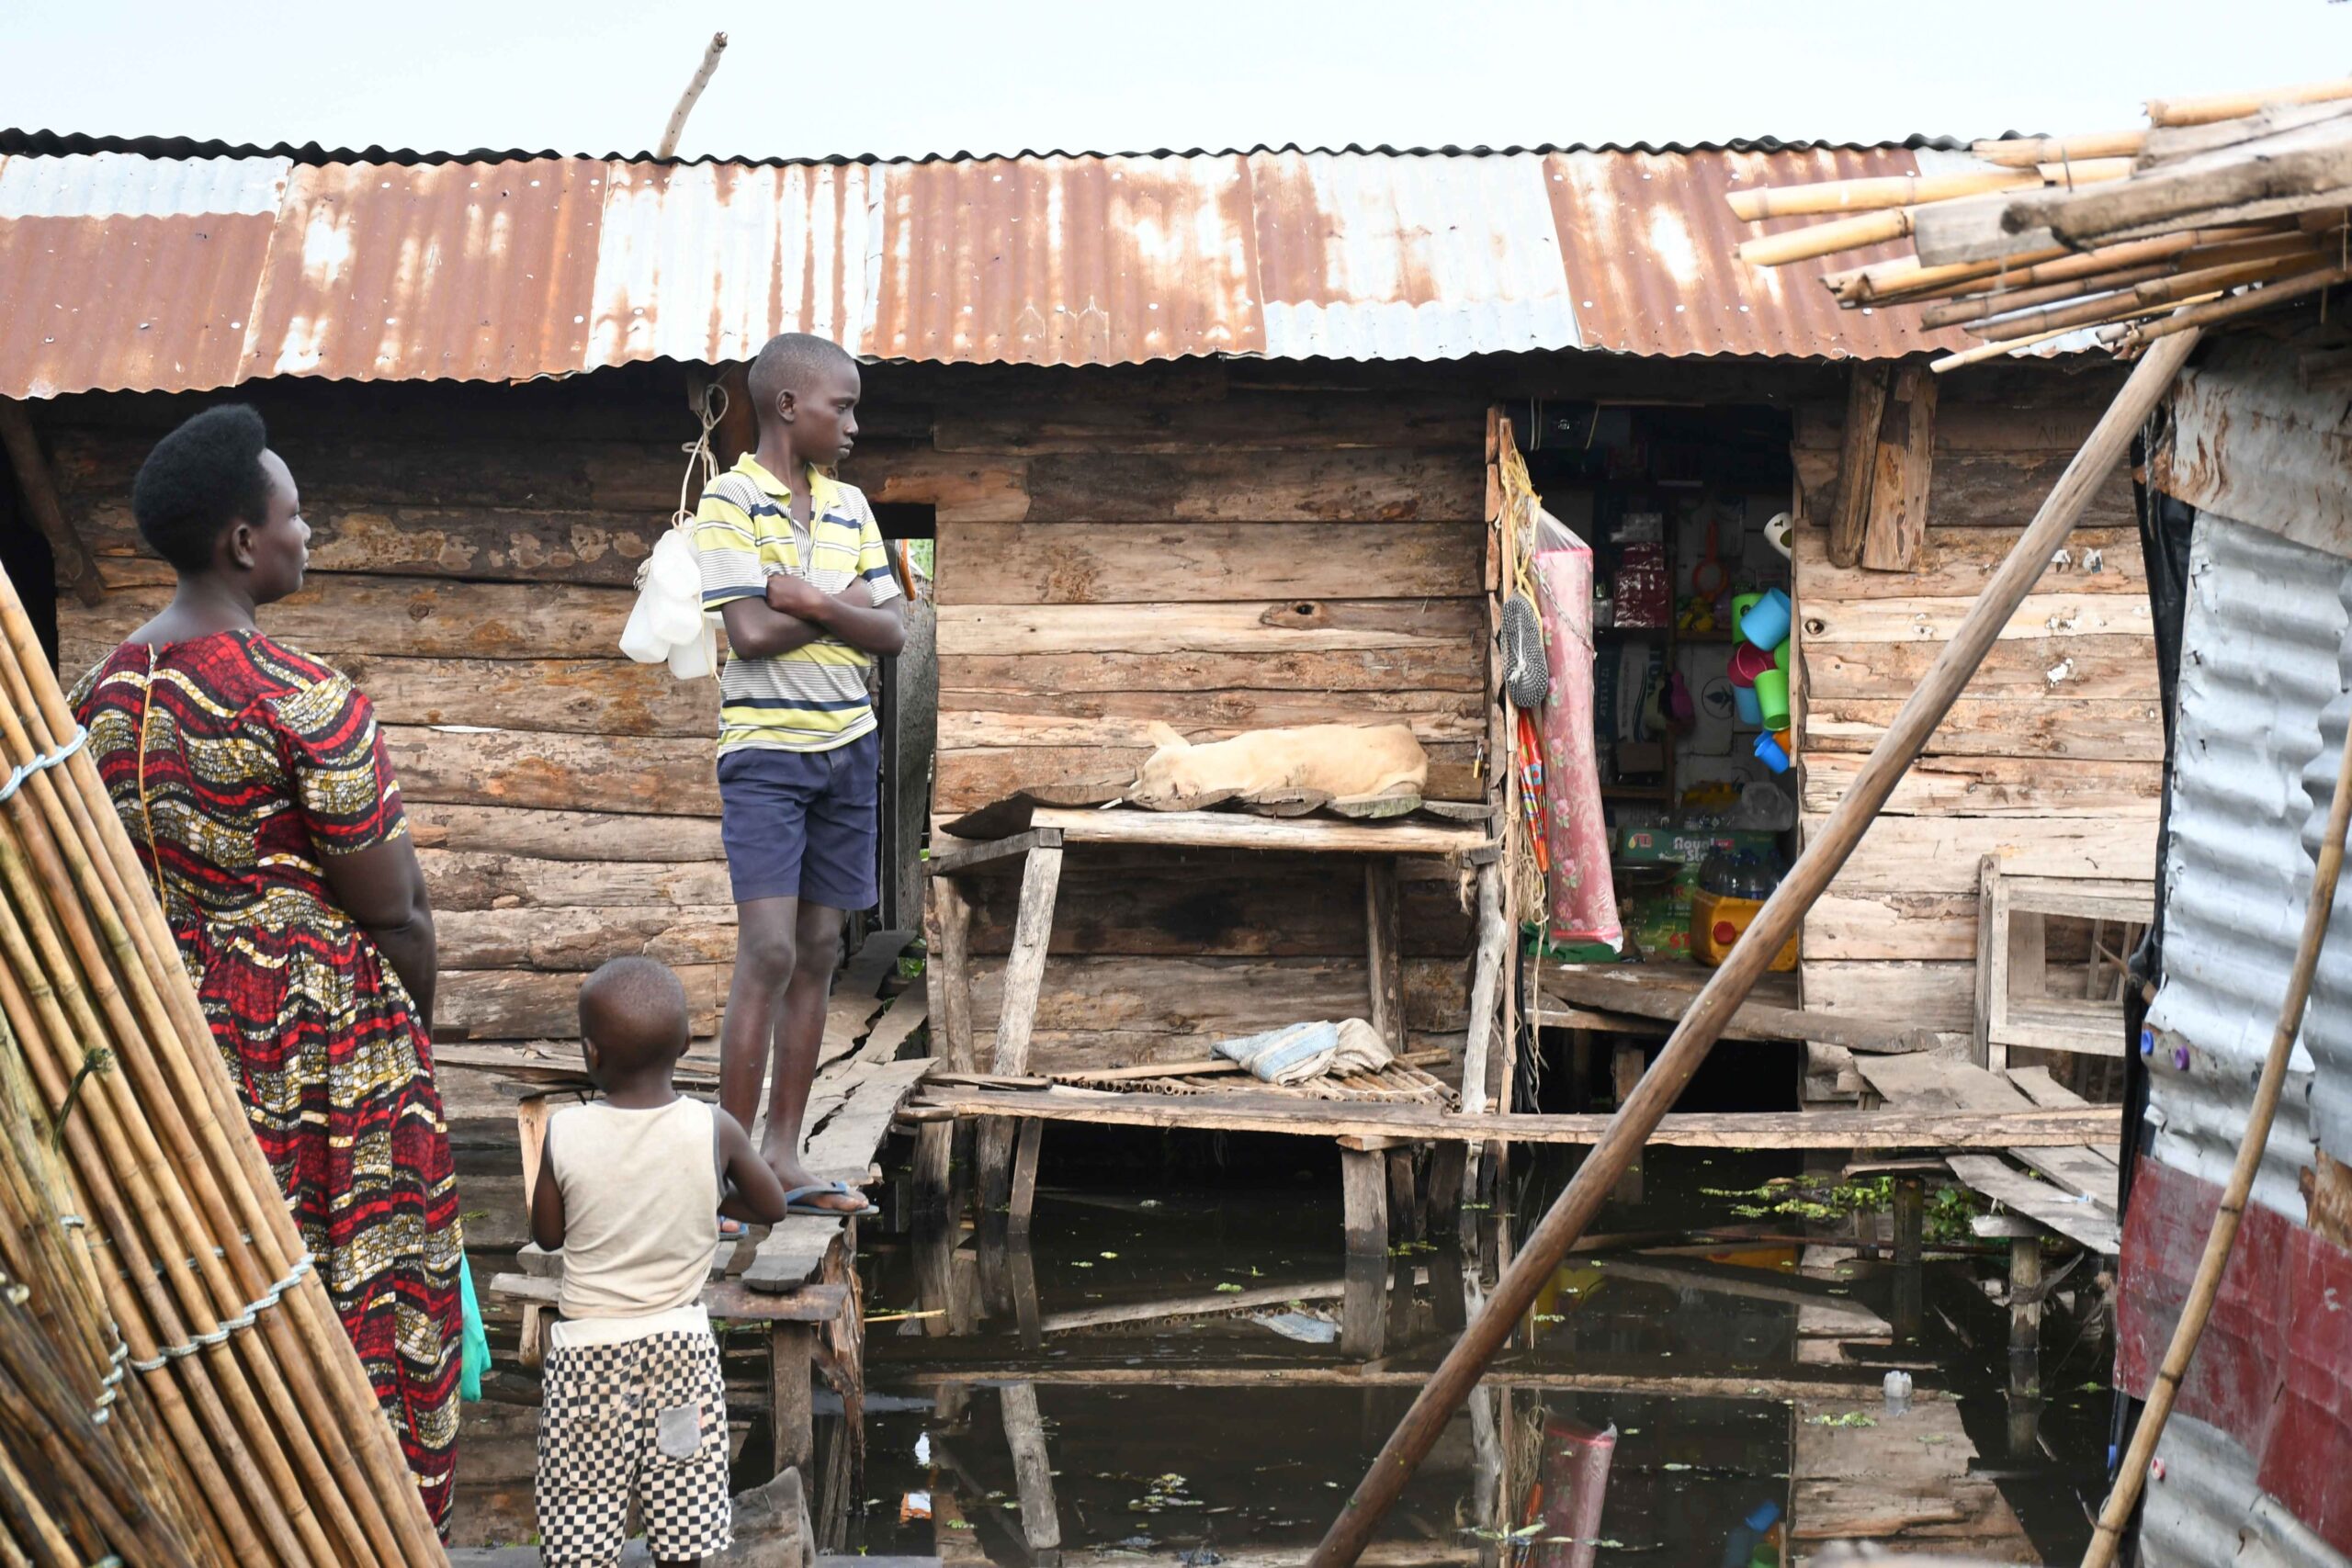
911, 76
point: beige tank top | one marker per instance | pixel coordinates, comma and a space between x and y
640, 1205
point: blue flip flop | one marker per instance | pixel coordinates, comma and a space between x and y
793, 1204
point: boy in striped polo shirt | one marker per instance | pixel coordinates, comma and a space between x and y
793, 563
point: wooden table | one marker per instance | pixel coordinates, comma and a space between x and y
1008, 1150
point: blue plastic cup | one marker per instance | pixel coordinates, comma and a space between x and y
1766, 622
1744, 707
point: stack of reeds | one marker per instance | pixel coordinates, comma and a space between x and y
174, 1385
2221, 206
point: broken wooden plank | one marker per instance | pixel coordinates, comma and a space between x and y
2079, 1219
963, 860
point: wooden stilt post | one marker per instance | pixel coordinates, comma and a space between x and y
949, 974
1032, 1472
792, 1350
1024, 1178
2025, 1341
1910, 1240
1364, 1186
1515, 1293
1025, 972
1626, 1076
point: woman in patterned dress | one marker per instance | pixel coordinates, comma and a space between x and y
255, 785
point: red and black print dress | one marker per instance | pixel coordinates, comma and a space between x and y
258, 760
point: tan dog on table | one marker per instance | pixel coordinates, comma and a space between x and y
1347, 763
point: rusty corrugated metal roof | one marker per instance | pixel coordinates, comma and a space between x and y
126, 271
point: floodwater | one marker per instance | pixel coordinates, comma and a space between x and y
1638, 1420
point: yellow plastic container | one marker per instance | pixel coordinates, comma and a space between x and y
1717, 922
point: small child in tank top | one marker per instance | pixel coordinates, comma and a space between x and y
630, 1189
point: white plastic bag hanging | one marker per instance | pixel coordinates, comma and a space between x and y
667, 624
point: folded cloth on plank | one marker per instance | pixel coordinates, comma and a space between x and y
1301, 1053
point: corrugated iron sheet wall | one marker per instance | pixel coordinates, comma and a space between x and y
2261, 640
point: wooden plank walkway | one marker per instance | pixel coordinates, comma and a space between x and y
1263, 1111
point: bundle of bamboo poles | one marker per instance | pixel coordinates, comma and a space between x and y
2221, 206
241, 1428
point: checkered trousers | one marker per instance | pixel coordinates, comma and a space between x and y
644, 1419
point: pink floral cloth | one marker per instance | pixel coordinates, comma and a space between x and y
1583, 899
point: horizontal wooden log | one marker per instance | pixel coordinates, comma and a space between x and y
962, 486
1242, 420
1926, 926
1967, 424
1254, 627
663, 776
582, 696
1431, 667
1221, 996
485, 543
454, 469
1090, 563
580, 939
1126, 719
563, 835
965, 780
1983, 490
520, 1004
1372, 485
2104, 728
462, 879
1997, 786
1217, 904
415, 618
1935, 618
1958, 562
1933, 996
2028, 670
1939, 854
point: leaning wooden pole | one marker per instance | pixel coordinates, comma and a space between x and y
2205, 1289
1515, 1293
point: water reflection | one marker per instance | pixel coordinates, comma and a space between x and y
1204, 1376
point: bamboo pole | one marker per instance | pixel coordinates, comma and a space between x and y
2026, 152
1885, 282
2205, 1288
2170, 289
1872, 193
2201, 315
2217, 106
54, 842
1985, 351
1827, 239
2056, 282
1516, 1292
328, 1378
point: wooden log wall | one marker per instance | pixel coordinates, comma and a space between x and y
471, 561
1116, 547
1218, 558
2052, 757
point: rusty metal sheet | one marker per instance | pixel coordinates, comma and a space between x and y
1361, 256
461, 271
191, 271
122, 272
1651, 249
705, 262
1066, 260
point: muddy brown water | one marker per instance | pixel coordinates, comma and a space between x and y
1218, 1436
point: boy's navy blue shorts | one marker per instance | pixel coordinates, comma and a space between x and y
803, 824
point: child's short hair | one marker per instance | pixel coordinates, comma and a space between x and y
635, 1009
